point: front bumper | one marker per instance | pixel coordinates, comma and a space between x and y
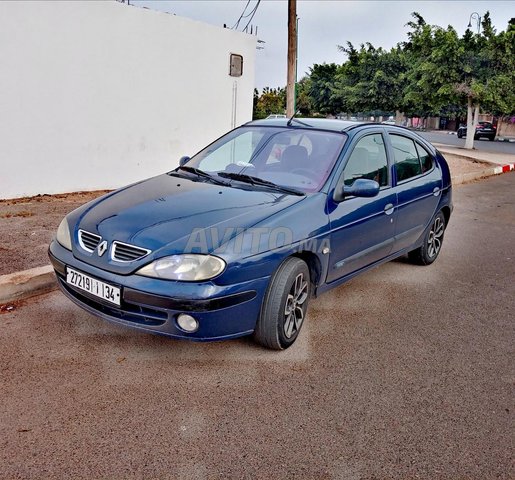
153, 305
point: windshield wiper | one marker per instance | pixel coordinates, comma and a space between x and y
242, 177
202, 174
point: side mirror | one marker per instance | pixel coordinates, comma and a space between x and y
183, 160
362, 187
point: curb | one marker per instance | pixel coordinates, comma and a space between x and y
487, 172
35, 281
27, 283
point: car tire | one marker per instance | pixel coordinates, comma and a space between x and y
460, 134
285, 305
433, 239
492, 139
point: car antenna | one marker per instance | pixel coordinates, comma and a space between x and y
288, 124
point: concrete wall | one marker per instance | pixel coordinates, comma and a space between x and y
96, 95
506, 128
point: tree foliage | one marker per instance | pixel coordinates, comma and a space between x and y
372, 79
433, 72
271, 101
321, 88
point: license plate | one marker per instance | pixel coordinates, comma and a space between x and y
93, 286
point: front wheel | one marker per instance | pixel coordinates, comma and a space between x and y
428, 252
285, 305
460, 134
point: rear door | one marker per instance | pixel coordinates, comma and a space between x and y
418, 184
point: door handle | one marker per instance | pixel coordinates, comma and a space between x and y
436, 191
388, 208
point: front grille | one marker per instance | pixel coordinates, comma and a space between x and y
122, 252
89, 241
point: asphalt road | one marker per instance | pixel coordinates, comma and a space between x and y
405, 372
481, 145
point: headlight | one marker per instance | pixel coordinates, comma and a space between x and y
63, 234
187, 267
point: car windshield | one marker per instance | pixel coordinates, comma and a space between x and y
291, 157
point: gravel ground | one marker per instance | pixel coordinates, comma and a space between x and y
403, 373
28, 225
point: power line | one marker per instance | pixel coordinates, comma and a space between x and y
250, 13
241, 16
253, 13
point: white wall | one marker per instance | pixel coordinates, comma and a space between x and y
96, 95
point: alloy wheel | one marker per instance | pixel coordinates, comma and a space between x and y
434, 240
294, 308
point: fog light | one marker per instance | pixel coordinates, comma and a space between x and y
187, 323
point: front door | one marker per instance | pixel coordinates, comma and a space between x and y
362, 229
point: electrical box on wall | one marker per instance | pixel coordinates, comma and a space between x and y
236, 65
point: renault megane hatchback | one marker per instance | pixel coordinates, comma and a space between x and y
237, 239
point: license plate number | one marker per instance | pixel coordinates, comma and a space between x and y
93, 286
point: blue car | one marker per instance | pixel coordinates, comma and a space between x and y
238, 238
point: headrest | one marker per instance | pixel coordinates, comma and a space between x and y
295, 156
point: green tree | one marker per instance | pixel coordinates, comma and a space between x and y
372, 79
304, 101
474, 70
271, 101
321, 89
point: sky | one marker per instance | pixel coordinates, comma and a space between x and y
323, 25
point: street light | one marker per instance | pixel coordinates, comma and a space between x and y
475, 16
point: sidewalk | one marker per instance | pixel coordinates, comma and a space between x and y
478, 155
27, 225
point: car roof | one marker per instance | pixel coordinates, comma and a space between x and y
318, 123
333, 125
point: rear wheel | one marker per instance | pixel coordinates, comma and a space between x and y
285, 305
433, 239
460, 134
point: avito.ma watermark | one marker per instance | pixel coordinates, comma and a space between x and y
253, 240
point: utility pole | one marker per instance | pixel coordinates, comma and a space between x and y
292, 57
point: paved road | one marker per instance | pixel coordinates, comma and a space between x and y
405, 372
482, 145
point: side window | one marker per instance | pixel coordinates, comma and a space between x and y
426, 159
407, 163
367, 160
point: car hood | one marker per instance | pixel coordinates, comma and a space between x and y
162, 213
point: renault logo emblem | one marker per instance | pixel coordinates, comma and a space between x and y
102, 247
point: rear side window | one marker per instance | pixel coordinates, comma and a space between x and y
407, 161
367, 160
426, 160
